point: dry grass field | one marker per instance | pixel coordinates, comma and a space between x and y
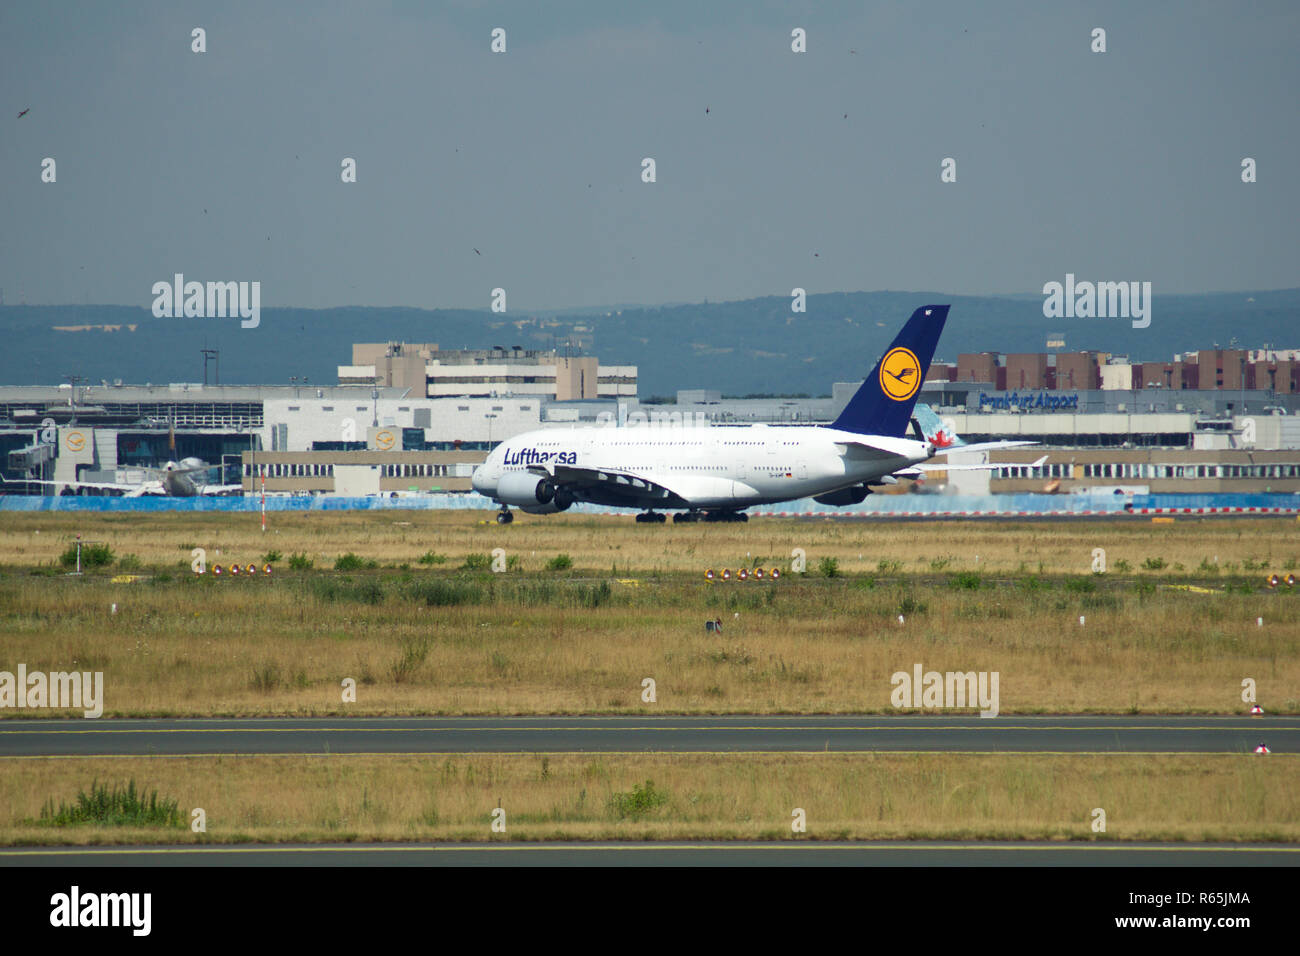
659, 796
1171, 627
601, 543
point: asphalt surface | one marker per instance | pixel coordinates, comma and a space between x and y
643, 734
785, 853
1022, 518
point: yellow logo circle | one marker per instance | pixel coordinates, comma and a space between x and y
384, 439
75, 441
900, 374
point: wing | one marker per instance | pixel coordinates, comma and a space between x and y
221, 489
128, 491
607, 486
106, 485
626, 489
918, 470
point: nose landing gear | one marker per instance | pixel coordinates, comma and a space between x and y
505, 515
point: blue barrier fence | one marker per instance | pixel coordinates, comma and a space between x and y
883, 506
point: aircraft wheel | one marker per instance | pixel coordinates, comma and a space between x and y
505, 517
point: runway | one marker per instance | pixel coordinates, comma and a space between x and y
783, 853
649, 734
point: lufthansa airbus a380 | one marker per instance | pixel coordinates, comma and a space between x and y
713, 473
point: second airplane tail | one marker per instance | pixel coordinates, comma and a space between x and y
934, 430
883, 405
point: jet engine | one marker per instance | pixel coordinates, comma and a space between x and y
854, 494
534, 494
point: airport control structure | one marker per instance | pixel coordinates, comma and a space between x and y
413, 419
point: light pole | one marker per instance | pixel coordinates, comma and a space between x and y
489, 416
1243, 384
74, 381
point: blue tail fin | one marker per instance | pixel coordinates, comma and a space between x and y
883, 405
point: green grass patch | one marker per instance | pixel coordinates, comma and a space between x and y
351, 562
638, 802
118, 806
92, 556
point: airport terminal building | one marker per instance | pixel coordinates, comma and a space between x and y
416, 419
403, 418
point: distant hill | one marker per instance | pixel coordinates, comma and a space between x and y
750, 346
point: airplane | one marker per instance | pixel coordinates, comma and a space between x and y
713, 473
174, 479
930, 427
945, 438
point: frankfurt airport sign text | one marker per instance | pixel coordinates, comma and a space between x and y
1027, 400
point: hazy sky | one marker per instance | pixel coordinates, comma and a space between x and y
226, 164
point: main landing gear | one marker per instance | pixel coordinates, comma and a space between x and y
689, 516
726, 516
651, 517
505, 515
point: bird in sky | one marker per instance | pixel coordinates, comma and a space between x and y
24, 112
477, 253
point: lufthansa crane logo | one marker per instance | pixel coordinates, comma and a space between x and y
75, 441
900, 374
384, 440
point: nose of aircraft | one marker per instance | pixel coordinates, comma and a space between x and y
478, 480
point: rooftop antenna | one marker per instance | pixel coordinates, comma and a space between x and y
211, 355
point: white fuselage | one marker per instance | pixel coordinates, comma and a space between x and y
710, 467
